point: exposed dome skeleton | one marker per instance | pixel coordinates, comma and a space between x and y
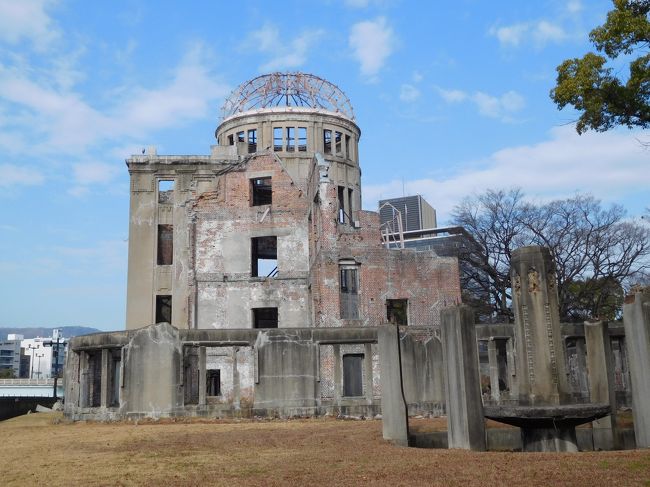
287, 90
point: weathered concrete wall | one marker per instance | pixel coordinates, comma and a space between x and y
465, 422
578, 377
152, 377
161, 371
191, 175
224, 225
636, 316
287, 371
601, 383
394, 408
422, 371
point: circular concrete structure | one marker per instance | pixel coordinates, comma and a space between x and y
296, 115
547, 428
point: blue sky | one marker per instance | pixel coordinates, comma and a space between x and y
452, 98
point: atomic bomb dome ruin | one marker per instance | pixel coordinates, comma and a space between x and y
257, 286
271, 276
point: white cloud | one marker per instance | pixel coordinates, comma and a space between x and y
291, 54
574, 6
372, 41
12, 175
26, 19
188, 96
607, 165
545, 32
408, 93
502, 107
540, 33
451, 96
510, 35
62, 121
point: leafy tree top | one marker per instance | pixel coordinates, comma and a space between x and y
594, 89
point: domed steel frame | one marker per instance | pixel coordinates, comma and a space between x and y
287, 90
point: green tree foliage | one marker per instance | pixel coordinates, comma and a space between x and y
604, 99
597, 252
7, 374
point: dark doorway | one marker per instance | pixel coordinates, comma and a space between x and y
352, 375
213, 386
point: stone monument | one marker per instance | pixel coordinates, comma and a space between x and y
543, 410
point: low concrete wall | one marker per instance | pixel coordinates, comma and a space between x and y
509, 439
10, 407
160, 371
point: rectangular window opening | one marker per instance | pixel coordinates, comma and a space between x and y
240, 136
252, 141
397, 311
291, 139
327, 141
277, 139
163, 309
302, 139
261, 191
353, 375
350, 200
342, 213
347, 146
166, 191
338, 141
231, 139
165, 244
265, 317
213, 385
349, 292
264, 257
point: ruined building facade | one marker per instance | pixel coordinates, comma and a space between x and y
269, 227
259, 242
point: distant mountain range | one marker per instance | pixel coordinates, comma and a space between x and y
41, 331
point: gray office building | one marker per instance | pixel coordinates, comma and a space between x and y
416, 213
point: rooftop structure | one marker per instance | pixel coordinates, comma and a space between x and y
287, 90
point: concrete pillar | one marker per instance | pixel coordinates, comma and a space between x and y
83, 380
494, 369
203, 382
601, 383
512, 368
338, 375
104, 379
636, 319
393, 405
236, 388
581, 366
367, 364
541, 365
465, 421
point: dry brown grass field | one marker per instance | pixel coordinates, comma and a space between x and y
43, 449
